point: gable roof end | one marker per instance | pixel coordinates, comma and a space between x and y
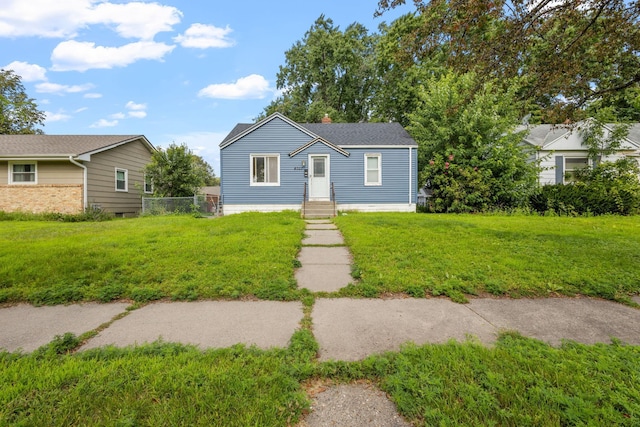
322, 141
241, 130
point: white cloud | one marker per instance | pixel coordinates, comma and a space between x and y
56, 117
117, 116
103, 123
138, 114
133, 106
136, 19
93, 95
251, 87
63, 19
28, 72
136, 110
42, 18
56, 88
81, 109
72, 55
203, 36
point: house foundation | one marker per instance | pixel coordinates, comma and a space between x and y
59, 198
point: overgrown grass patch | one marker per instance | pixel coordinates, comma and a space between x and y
149, 258
519, 255
157, 384
519, 381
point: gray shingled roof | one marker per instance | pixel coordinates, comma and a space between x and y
346, 134
237, 130
540, 135
58, 145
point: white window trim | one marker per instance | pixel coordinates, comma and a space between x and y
10, 178
565, 171
126, 180
263, 184
144, 185
379, 181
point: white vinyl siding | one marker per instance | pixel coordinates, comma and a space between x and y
265, 169
23, 173
122, 180
372, 169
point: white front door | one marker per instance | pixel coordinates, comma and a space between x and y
318, 177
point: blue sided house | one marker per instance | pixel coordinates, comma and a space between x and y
278, 164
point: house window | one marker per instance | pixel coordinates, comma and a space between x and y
265, 169
571, 164
148, 184
23, 173
373, 169
121, 179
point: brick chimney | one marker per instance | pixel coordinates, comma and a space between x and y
326, 119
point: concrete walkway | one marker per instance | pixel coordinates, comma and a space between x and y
326, 262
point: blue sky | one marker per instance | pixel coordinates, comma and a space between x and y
183, 71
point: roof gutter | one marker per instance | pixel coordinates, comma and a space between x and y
84, 181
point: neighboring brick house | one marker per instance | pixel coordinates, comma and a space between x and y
68, 173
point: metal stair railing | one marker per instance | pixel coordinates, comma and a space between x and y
333, 199
304, 201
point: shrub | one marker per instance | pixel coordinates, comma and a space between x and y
609, 188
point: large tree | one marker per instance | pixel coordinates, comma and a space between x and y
470, 155
19, 114
567, 53
176, 172
330, 72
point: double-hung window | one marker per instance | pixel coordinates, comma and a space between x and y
571, 164
373, 169
265, 169
23, 173
148, 184
122, 179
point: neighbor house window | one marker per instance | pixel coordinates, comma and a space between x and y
265, 169
148, 184
23, 173
572, 164
373, 169
121, 180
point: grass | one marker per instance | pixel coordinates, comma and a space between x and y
457, 255
519, 381
144, 259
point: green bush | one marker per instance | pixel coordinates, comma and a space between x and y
609, 188
89, 214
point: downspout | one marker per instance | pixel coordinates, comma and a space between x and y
410, 175
84, 181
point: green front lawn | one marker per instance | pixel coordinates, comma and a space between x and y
185, 258
516, 256
149, 258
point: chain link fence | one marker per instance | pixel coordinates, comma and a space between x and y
200, 204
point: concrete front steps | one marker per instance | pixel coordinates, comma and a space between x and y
318, 209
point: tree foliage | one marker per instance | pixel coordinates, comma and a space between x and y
19, 114
330, 72
176, 172
469, 153
567, 53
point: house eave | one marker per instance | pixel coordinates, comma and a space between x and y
321, 141
264, 122
87, 155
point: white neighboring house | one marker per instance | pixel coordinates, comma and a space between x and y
560, 149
